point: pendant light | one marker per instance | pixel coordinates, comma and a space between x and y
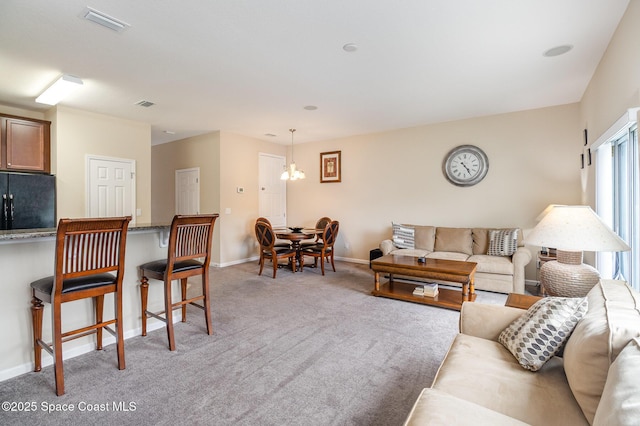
292, 173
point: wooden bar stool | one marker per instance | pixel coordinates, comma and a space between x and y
87, 250
189, 239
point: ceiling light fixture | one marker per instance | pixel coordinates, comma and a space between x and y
105, 20
558, 50
310, 107
292, 173
59, 90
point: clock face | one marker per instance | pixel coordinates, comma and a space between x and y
465, 165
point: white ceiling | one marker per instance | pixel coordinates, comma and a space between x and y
250, 66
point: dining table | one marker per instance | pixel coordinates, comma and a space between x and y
296, 236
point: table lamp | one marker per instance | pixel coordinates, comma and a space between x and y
572, 230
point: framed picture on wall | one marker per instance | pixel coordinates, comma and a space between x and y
330, 167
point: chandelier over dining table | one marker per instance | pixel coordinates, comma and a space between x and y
292, 172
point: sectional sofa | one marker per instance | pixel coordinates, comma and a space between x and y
499, 253
595, 382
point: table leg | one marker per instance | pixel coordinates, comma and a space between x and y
472, 287
296, 245
465, 291
377, 281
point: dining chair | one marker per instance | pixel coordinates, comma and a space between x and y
278, 243
87, 254
320, 224
324, 250
266, 239
188, 255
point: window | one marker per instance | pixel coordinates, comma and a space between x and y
617, 198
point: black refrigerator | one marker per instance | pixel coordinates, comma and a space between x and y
28, 201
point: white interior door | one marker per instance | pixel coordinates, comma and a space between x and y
188, 191
111, 186
272, 192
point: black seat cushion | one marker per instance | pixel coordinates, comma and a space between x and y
316, 249
45, 285
280, 250
159, 266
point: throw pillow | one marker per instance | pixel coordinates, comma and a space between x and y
503, 242
403, 236
620, 402
612, 321
541, 332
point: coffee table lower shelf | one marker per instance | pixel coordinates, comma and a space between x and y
446, 298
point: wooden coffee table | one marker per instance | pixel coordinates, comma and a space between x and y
434, 269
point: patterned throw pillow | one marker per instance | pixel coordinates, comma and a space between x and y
503, 242
403, 236
542, 331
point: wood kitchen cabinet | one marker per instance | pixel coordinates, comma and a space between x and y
26, 144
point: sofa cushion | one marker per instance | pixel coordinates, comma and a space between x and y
425, 237
410, 252
612, 320
448, 255
620, 402
403, 236
542, 330
484, 372
503, 242
435, 407
480, 240
454, 240
492, 264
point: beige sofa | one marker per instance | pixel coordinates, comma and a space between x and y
504, 274
595, 383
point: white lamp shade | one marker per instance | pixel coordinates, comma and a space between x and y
575, 228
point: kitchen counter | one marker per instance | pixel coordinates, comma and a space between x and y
26, 234
28, 255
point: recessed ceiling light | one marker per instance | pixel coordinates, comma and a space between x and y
350, 47
311, 107
170, 132
271, 135
558, 50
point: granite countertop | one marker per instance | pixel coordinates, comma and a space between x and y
24, 234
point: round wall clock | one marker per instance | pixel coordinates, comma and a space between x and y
465, 165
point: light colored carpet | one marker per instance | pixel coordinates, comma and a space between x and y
302, 349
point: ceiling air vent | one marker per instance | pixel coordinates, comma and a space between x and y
105, 20
144, 103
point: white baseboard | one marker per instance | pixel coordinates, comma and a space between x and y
107, 340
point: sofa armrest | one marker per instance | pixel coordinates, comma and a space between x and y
520, 259
435, 407
386, 246
486, 321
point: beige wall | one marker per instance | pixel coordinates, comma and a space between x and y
199, 151
226, 161
74, 134
77, 134
397, 176
614, 88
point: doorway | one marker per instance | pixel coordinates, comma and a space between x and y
188, 191
111, 187
272, 191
